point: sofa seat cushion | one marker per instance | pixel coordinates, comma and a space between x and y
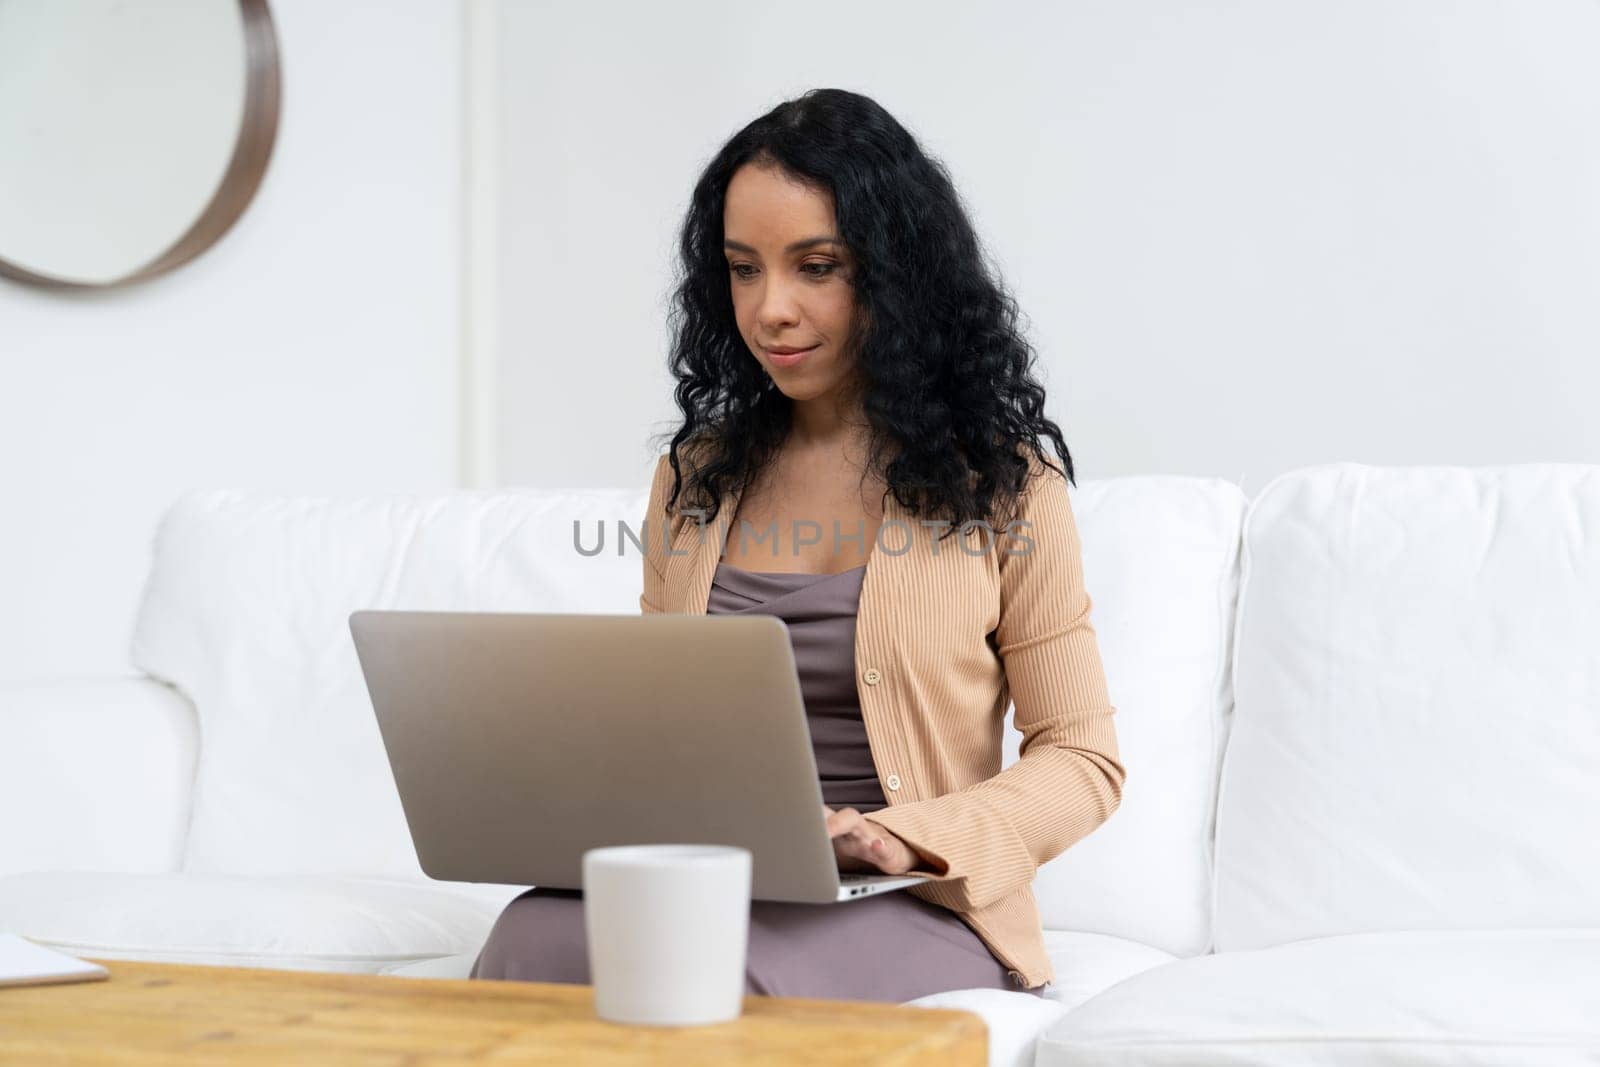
1014, 1019
1502, 997
1085, 964
340, 924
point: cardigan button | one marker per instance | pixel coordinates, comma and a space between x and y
893, 781
871, 676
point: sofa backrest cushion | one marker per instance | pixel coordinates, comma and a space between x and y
1161, 566
94, 776
246, 611
1416, 733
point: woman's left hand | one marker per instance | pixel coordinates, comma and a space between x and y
861, 845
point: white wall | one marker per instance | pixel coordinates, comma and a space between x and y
1249, 236
315, 349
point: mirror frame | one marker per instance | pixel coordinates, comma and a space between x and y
252, 150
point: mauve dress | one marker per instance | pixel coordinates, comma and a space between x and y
890, 947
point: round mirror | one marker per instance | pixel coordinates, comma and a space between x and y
132, 135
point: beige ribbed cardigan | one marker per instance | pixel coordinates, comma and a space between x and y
945, 639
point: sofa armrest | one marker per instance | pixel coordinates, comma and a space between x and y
95, 774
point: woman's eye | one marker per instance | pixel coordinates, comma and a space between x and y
816, 270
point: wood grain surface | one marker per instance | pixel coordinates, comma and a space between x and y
161, 1014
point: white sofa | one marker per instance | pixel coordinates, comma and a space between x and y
1360, 712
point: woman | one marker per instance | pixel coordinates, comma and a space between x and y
846, 366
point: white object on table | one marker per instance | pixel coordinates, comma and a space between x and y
668, 927
24, 963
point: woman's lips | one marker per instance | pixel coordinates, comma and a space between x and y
789, 359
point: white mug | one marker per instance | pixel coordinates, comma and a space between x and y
668, 927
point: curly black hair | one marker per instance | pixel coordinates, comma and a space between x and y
949, 394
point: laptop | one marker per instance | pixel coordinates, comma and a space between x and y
520, 740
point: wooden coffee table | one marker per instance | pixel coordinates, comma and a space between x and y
161, 1013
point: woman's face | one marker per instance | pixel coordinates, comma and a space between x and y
787, 271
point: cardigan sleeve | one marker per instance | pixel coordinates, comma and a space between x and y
988, 840
656, 533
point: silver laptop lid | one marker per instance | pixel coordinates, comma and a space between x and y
520, 740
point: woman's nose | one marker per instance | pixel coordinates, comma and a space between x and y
777, 308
